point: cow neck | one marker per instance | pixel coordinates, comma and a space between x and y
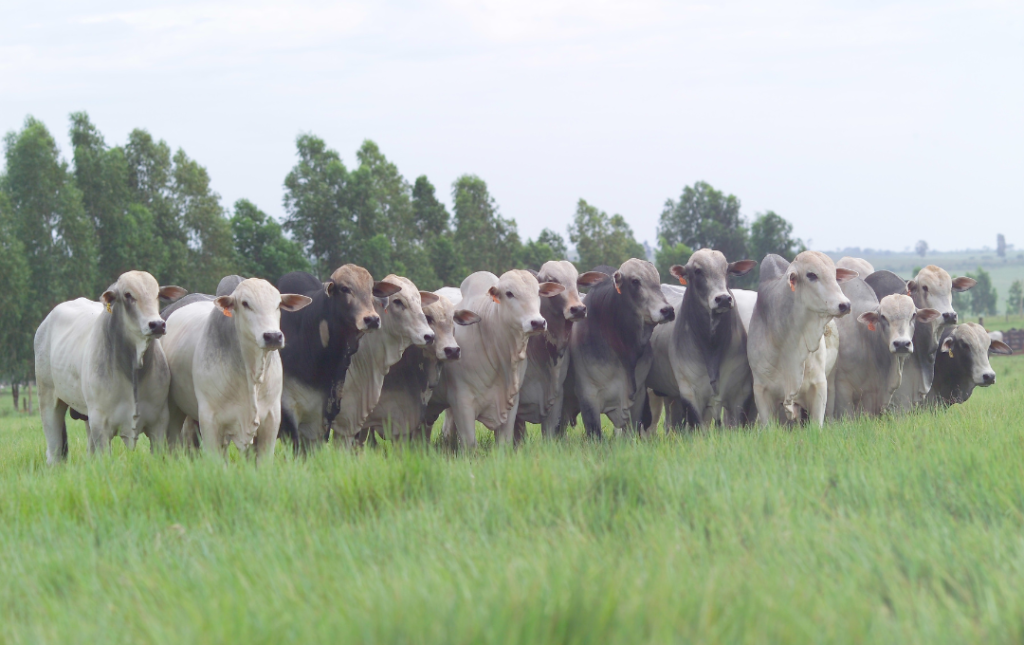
122, 356
253, 359
500, 345
780, 315
620, 326
365, 378
926, 346
710, 332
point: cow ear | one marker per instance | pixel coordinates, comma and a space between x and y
947, 345
385, 289
927, 315
678, 271
842, 275
549, 289
999, 347
742, 267
294, 302
869, 318
963, 283
172, 292
108, 297
329, 289
428, 298
911, 286
226, 304
792, 281
466, 317
493, 292
590, 278
617, 277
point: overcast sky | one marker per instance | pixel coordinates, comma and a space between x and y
864, 123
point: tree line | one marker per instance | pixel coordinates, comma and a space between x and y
69, 229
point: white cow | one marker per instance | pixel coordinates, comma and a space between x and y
484, 384
402, 324
786, 345
103, 360
860, 265
226, 370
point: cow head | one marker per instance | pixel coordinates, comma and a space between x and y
933, 288
518, 295
136, 296
637, 281
351, 291
814, 280
442, 318
969, 346
706, 276
860, 265
403, 317
566, 305
894, 318
255, 305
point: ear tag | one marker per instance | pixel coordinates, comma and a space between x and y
871, 326
107, 305
951, 353
682, 281
617, 290
792, 287
495, 299
227, 312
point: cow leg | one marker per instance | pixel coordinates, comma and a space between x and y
53, 411
464, 420
551, 423
266, 439
767, 407
156, 430
100, 432
519, 432
830, 400
591, 419
505, 433
657, 403
818, 400
213, 444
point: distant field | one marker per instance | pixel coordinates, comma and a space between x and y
897, 530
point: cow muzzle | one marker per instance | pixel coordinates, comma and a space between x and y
452, 353
902, 346
537, 325
949, 318
273, 340
157, 328
577, 312
987, 379
370, 322
667, 314
723, 303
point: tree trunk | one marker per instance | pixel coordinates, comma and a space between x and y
14, 394
28, 397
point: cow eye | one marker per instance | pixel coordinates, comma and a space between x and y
346, 290
813, 277
925, 289
128, 297
509, 294
698, 272
245, 303
430, 320
397, 303
636, 282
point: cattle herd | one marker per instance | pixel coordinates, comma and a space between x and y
359, 359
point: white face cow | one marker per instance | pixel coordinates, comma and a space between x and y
137, 293
970, 345
814, 278
638, 280
707, 273
933, 288
894, 318
256, 307
442, 318
403, 315
520, 293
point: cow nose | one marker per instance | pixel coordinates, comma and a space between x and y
902, 346
372, 322
452, 353
539, 325
844, 308
949, 317
578, 311
724, 300
157, 327
273, 338
988, 378
428, 338
668, 313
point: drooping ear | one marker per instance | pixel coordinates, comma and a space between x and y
329, 289
549, 289
869, 318
741, 267
963, 283
999, 347
911, 286
226, 304
617, 277
678, 271
842, 275
385, 289
590, 278
172, 292
493, 291
792, 280
428, 298
294, 302
927, 315
108, 297
947, 345
466, 317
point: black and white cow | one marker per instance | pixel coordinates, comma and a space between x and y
962, 363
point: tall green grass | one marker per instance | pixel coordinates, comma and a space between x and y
896, 530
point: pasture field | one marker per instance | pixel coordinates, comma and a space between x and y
897, 530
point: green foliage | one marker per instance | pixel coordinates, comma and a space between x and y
15, 333
984, 299
705, 218
431, 216
447, 263
211, 253
1015, 300
260, 245
548, 246
668, 254
769, 233
902, 529
600, 239
484, 240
